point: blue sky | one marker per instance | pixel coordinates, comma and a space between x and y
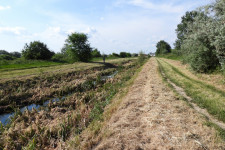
112, 25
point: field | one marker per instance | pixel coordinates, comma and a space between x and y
61, 100
125, 103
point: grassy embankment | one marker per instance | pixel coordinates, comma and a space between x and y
36, 68
69, 117
208, 94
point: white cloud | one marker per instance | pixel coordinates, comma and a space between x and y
168, 6
12, 30
4, 7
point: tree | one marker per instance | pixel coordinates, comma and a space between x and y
37, 51
3, 52
128, 54
115, 55
163, 48
78, 48
123, 54
182, 28
204, 46
96, 53
16, 54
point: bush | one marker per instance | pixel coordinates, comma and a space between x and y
37, 51
202, 58
6, 57
59, 57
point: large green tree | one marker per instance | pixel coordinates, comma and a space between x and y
182, 28
37, 51
162, 47
78, 47
204, 46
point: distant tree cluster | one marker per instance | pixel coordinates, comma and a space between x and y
4, 55
123, 55
76, 48
201, 37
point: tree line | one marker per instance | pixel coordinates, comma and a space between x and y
76, 48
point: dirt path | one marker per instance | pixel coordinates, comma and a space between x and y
151, 117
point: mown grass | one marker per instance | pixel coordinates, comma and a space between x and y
206, 96
171, 56
9, 74
27, 64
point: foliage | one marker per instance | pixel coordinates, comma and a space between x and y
201, 37
6, 57
37, 51
162, 47
125, 54
115, 55
4, 52
200, 57
16, 54
77, 47
59, 57
96, 53
183, 29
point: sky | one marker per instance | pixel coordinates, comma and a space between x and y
111, 25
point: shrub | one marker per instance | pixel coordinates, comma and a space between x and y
37, 51
200, 57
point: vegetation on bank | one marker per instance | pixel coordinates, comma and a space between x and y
203, 94
201, 38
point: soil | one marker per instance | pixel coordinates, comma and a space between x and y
152, 117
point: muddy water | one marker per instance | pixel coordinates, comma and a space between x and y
5, 118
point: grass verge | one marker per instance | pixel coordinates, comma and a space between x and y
204, 95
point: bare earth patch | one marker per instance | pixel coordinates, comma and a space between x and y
151, 117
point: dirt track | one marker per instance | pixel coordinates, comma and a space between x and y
151, 117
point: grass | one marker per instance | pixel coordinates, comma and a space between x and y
204, 95
171, 56
37, 71
27, 64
